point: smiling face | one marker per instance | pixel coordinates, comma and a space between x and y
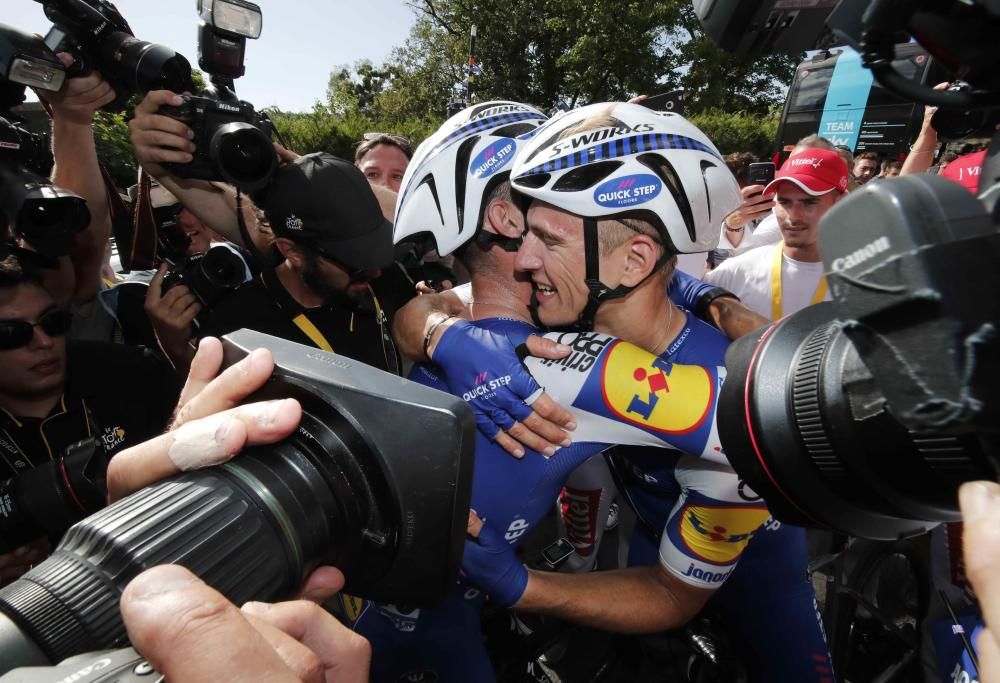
552, 255
39, 367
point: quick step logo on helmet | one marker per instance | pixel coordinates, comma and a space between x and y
493, 158
626, 191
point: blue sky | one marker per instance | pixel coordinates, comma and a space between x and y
302, 41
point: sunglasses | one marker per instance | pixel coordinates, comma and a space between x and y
17, 333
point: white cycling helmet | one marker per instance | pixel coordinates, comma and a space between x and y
651, 165
453, 171
632, 162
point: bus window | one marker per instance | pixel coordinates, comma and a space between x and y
834, 96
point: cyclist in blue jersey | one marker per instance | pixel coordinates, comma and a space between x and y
615, 192
445, 643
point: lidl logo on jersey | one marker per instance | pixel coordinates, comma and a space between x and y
718, 533
627, 191
493, 158
648, 391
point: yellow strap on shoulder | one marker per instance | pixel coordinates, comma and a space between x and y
311, 331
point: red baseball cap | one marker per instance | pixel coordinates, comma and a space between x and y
814, 171
965, 170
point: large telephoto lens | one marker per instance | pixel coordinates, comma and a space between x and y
804, 422
244, 155
376, 481
145, 66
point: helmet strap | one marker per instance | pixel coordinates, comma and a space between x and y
598, 292
487, 239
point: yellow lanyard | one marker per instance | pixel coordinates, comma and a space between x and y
311, 331
777, 307
303, 322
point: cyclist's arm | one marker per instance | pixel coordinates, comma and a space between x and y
634, 600
734, 317
411, 323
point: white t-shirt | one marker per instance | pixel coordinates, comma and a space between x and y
766, 232
748, 276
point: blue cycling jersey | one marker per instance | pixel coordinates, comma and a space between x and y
619, 394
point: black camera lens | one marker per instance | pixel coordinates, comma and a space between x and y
222, 268
146, 66
804, 422
47, 499
47, 217
244, 155
957, 124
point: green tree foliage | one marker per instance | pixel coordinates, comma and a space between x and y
565, 53
114, 148
573, 52
740, 131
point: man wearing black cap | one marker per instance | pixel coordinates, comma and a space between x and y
330, 290
335, 285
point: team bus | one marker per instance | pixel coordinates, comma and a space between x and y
834, 95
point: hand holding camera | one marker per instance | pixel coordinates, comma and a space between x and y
80, 98
160, 140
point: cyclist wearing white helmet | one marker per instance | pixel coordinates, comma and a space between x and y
614, 191
458, 192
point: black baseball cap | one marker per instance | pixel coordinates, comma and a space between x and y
325, 201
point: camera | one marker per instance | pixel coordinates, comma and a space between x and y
232, 140
49, 498
957, 124
389, 507
100, 39
210, 275
31, 207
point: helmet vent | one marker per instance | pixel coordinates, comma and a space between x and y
668, 174
586, 176
532, 181
461, 173
514, 130
705, 165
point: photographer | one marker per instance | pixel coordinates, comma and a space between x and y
75, 278
335, 285
54, 393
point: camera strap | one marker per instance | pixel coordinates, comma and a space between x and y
777, 305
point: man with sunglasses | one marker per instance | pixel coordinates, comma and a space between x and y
335, 285
54, 393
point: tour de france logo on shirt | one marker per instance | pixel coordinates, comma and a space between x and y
112, 437
647, 391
